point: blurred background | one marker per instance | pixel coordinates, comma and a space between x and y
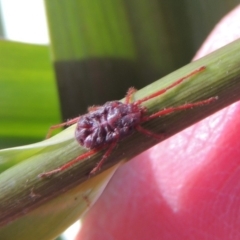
24, 21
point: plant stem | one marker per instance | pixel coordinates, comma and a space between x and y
221, 78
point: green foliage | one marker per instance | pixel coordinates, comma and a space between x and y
28, 100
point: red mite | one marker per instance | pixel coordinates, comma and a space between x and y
104, 126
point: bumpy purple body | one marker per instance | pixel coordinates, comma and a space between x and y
109, 123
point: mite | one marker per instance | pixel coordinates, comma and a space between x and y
104, 126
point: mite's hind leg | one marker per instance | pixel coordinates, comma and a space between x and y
67, 123
104, 158
71, 163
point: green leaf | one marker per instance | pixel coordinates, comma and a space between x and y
28, 99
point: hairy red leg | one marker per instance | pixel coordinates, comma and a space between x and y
71, 163
67, 123
129, 94
149, 133
104, 158
182, 107
160, 92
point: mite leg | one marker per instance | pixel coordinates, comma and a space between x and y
67, 123
129, 94
70, 164
149, 133
179, 81
104, 158
182, 107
